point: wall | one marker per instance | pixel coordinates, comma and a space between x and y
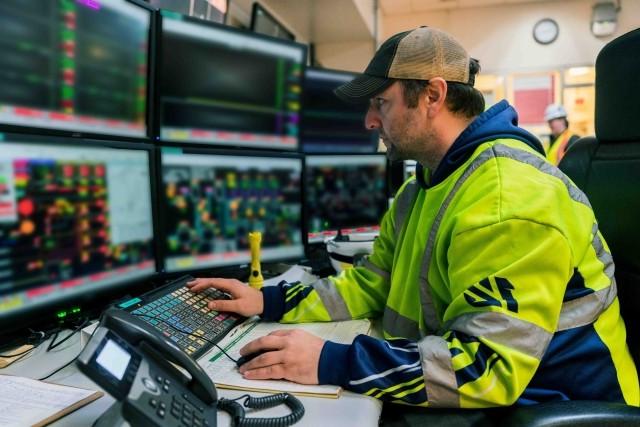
501, 36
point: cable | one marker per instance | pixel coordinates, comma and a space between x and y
35, 339
53, 344
237, 413
188, 333
70, 362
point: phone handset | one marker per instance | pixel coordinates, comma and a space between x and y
138, 332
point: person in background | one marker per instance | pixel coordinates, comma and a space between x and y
491, 277
561, 137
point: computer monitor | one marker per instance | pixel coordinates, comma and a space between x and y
264, 23
211, 10
227, 87
75, 66
212, 200
330, 125
75, 221
346, 193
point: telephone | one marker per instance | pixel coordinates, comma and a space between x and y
130, 360
134, 363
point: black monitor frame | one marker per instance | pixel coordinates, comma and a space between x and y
221, 270
256, 9
374, 136
93, 299
224, 18
157, 125
306, 210
151, 85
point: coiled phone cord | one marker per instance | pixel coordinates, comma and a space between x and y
237, 413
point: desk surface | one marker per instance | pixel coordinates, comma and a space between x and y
348, 410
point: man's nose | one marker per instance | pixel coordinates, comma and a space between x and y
372, 120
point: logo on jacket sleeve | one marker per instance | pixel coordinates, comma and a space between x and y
483, 294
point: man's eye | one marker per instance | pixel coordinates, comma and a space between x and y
379, 102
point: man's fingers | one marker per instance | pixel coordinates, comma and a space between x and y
273, 372
266, 359
268, 342
232, 305
224, 285
281, 332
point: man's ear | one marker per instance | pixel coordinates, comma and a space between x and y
436, 94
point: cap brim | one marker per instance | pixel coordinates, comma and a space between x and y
362, 88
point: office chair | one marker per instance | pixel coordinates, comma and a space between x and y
607, 168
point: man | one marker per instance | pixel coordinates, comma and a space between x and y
492, 280
561, 138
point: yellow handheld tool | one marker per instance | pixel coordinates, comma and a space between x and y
255, 278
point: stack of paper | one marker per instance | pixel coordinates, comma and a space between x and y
28, 402
224, 372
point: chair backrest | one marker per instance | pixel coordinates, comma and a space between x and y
607, 169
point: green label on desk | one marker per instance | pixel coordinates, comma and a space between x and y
129, 303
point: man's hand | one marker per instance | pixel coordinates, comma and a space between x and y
291, 354
246, 300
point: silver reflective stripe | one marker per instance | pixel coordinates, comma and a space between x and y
403, 206
398, 326
543, 166
372, 267
439, 377
503, 329
428, 310
585, 310
332, 300
602, 254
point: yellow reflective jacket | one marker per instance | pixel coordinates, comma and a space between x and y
494, 286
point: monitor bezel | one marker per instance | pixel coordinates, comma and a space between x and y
309, 246
374, 136
224, 18
162, 15
91, 299
257, 7
162, 236
151, 87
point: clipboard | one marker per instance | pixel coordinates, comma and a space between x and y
26, 401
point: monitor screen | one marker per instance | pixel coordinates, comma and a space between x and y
223, 86
264, 23
74, 220
212, 201
211, 10
330, 125
76, 66
346, 193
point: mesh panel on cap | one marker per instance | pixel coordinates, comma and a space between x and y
426, 53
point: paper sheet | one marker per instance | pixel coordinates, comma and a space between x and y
224, 372
24, 401
295, 274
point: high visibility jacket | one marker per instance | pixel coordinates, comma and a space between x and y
494, 286
560, 145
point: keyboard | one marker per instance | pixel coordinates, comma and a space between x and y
174, 305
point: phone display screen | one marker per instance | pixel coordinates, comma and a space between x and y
114, 359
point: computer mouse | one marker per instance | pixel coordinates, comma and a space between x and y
249, 357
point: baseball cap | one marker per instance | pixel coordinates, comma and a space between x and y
420, 54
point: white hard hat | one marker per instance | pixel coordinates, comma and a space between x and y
347, 251
554, 111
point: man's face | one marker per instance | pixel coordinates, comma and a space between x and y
402, 129
556, 126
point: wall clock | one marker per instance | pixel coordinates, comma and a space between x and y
545, 31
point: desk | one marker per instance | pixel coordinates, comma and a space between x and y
349, 410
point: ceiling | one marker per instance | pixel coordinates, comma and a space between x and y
403, 7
